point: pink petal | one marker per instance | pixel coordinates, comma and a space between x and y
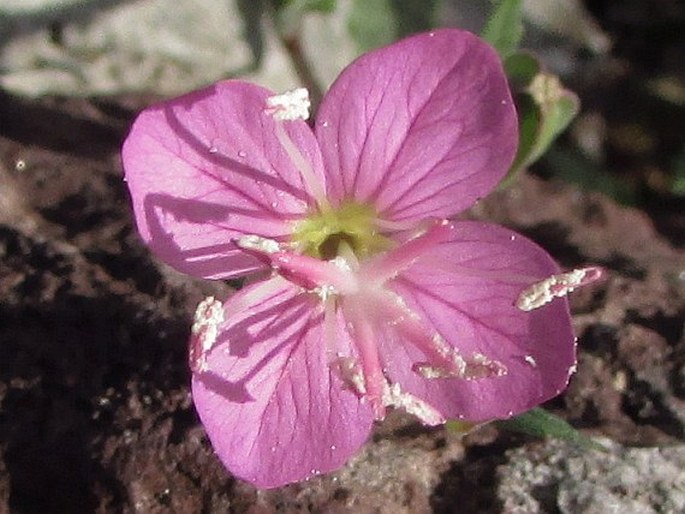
466, 290
206, 168
421, 128
271, 401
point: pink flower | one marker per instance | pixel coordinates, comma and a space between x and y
371, 294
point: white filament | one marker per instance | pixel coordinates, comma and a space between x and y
291, 106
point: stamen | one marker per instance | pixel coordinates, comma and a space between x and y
351, 373
478, 366
556, 286
329, 324
482, 366
444, 361
208, 316
388, 265
315, 273
291, 106
393, 396
341, 263
311, 182
365, 341
346, 257
258, 244
323, 277
531, 361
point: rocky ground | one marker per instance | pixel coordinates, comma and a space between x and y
95, 412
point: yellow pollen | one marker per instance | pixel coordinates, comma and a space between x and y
324, 232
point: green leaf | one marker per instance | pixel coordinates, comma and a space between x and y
379, 22
302, 6
529, 121
540, 423
558, 107
413, 16
460, 427
372, 24
678, 182
288, 14
555, 118
324, 6
521, 68
280, 4
545, 111
504, 28
678, 185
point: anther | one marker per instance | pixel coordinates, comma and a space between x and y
351, 374
289, 106
556, 286
325, 291
454, 365
209, 315
258, 244
393, 396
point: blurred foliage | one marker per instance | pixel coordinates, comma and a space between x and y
460, 427
572, 166
504, 28
371, 24
622, 57
303, 6
678, 184
413, 16
536, 422
545, 107
378, 23
289, 14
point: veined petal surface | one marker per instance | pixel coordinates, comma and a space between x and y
465, 290
272, 402
421, 128
206, 168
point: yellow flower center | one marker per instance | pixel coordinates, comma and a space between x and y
322, 233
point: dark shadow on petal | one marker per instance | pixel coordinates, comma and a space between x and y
237, 391
233, 391
206, 261
242, 203
265, 327
275, 322
231, 165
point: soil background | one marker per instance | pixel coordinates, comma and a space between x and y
95, 411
